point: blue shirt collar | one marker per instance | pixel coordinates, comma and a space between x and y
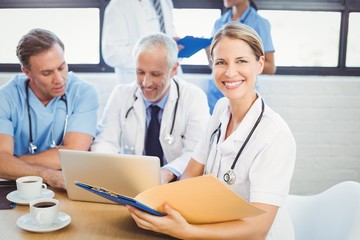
160, 104
227, 17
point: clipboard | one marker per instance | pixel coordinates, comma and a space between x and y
192, 45
120, 199
199, 200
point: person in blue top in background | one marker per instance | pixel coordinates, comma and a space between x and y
244, 11
43, 109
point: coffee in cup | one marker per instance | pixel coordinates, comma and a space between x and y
30, 187
44, 211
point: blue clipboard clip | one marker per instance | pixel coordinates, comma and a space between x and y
192, 45
115, 197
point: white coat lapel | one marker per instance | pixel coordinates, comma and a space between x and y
168, 113
139, 124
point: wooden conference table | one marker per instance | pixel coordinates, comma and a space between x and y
88, 221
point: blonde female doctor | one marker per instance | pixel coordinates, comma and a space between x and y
183, 116
247, 146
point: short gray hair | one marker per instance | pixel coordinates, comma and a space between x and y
155, 41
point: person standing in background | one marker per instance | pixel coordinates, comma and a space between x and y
244, 11
125, 22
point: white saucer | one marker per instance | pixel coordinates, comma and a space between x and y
25, 222
14, 196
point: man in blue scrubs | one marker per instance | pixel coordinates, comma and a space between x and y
42, 110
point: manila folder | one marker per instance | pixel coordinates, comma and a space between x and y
200, 200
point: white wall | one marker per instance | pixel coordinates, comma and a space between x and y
323, 113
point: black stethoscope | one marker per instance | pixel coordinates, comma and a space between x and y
230, 176
32, 146
246, 16
241, 19
169, 138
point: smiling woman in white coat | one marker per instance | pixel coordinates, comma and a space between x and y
247, 145
183, 116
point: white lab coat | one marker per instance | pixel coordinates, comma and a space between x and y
264, 168
127, 135
125, 22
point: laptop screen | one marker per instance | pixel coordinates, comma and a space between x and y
125, 174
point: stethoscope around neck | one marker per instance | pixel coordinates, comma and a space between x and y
230, 176
32, 146
169, 138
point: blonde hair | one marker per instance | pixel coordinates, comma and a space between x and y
237, 30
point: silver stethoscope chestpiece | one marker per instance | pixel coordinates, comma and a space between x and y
32, 148
53, 144
169, 139
230, 177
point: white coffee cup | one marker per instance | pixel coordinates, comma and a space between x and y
30, 187
44, 211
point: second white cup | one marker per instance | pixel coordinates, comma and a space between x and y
44, 211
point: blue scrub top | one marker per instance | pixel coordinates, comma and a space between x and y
251, 18
47, 122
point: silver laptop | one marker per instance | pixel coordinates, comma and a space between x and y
124, 174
